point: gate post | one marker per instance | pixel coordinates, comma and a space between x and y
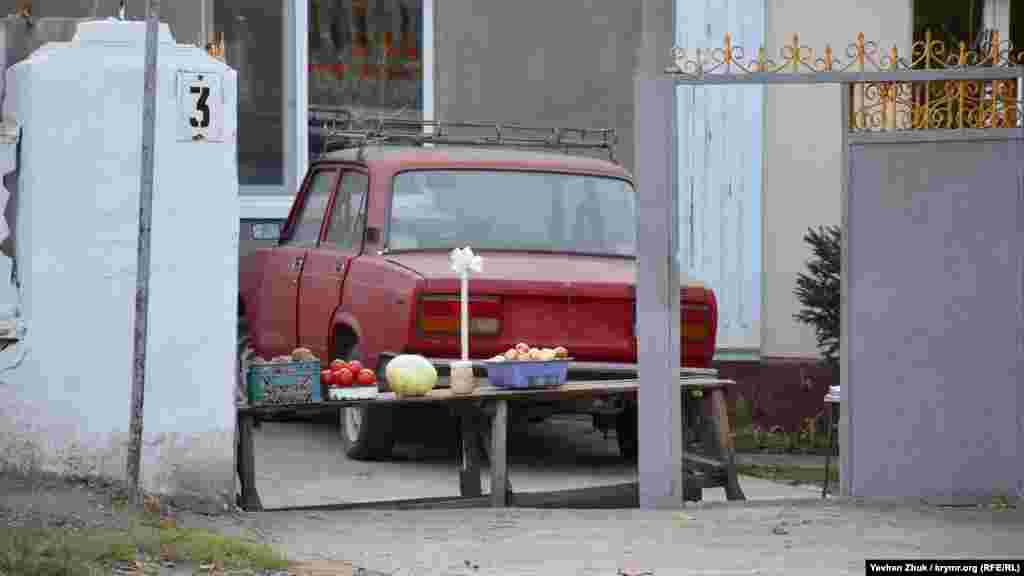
845, 412
657, 293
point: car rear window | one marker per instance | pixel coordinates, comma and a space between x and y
512, 210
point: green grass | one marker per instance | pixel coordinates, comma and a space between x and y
747, 441
803, 474
68, 552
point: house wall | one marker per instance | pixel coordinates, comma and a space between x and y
540, 63
186, 18
802, 150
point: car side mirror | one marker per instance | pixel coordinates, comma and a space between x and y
372, 235
266, 231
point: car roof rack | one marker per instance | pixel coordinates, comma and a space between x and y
350, 132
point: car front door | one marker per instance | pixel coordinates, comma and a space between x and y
327, 265
279, 300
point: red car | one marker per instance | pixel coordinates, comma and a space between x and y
362, 270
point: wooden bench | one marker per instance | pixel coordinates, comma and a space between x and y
712, 469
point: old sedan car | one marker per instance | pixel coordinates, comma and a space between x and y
362, 268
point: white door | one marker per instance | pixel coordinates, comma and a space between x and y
720, 149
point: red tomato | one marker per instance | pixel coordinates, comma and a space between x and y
338, 365
326, 377
366, 377
344, 377
355, 366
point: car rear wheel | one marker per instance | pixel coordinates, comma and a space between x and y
366, 431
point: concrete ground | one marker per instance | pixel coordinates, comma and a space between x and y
303, 464
772, 538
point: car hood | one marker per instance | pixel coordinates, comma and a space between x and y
531, 268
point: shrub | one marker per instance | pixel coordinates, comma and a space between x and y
817, 289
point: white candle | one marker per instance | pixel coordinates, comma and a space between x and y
465, 314
463, 261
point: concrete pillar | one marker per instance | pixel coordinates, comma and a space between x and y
655, 138
659, 405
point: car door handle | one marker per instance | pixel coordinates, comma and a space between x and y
297, 263
339, 265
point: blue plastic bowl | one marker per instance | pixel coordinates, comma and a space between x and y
518, 374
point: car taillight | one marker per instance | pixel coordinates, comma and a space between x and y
439, 314
696, 322
696, 336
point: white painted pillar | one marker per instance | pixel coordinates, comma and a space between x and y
427, 56
295, 116
996, 16
658, 327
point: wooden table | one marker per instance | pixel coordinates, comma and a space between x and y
700, 471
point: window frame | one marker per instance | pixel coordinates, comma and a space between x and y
358, 237
386, 240
299, 206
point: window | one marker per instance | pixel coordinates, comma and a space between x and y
306, 228
364, 57
969, 21
951, 21
349, 213
253, 46
506, 210
1017, 24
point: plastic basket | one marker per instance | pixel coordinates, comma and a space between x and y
284, 382
528, 373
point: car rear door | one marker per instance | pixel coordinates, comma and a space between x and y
280, 289
327, 265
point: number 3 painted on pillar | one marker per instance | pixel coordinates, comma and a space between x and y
201, 106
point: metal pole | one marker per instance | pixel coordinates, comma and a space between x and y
142, 274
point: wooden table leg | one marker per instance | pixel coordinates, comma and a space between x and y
250, 499
469, 470
725, 446
499, 454
831, 447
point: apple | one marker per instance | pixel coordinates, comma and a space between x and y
338, 365
355, 366
326, 377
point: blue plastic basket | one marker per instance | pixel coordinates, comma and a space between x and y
284, 382
528, 373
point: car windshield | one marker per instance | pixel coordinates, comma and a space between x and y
512, 210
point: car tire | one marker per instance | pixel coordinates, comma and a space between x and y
366, 431
626, 432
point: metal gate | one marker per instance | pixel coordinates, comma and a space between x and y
932, 346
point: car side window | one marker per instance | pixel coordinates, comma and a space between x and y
306, 228
349, 214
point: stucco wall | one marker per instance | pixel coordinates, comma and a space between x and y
933, 396
802, 150
65, 387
